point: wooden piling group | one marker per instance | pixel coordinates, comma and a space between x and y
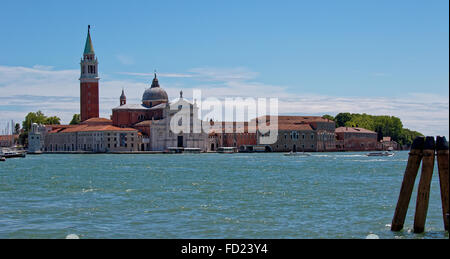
423, 150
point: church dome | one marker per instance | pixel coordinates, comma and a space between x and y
154, 95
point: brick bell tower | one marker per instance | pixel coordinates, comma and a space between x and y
89, 99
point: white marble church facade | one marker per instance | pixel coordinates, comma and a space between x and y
179, 128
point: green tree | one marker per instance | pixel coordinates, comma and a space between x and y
52, 121
39, 118
407, 136
342, 118
33, 117
326, 116
361, 120
75, 119
384, 126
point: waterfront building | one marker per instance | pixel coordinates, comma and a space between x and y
240, 135
36, 137
302, 133
356, 139
93, 135
164, 138
386, 143
152, 117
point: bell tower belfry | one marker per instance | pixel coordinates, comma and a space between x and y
89, 97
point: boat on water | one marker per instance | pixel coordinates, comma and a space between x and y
226, 150
385, 153
192, 150
2, 159
11, 153
297, 154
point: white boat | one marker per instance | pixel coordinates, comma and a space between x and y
10, 153
226, 150
297, 154
2, 159
385, 153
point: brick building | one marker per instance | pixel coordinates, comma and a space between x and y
154, 100
93, 135
355, 139
388, 144
303, 133
240, 135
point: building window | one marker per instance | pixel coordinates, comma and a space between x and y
123, 139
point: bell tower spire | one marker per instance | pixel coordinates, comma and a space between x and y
89, 97
123, 98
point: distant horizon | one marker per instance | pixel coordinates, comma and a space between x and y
380, 58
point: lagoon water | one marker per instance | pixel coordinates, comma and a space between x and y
268, 195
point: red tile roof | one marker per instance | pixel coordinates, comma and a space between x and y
296, 118
294, 126
90, 128
353, 130
97, 121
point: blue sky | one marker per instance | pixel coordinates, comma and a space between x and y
379, 57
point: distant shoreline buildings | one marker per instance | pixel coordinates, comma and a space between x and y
145, 127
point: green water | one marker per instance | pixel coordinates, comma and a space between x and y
327, 195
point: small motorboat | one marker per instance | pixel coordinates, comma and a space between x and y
227, 150
385, 153
297, 154
2, 159
9, 153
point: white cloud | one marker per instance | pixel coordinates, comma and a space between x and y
151, 75
205, 74
56, 92
223, 74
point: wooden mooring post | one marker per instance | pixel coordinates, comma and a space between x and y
414, 159
423, 150
442, 158
423, 192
